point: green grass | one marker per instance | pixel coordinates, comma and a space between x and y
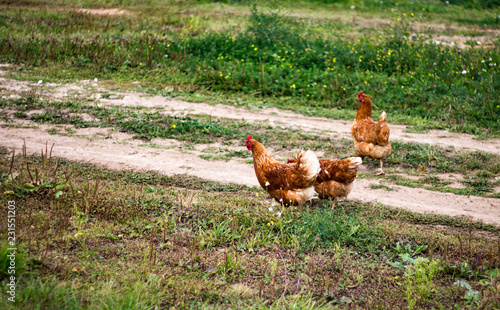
118, 239
442, 160
476, 186
272, 58
99, 239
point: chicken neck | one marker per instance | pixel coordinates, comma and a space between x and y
260, 153
365, 110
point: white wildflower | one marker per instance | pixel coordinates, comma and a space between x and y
464, 72
278, 214
271, 209
267, 183
352, 7
95, 80
40, 82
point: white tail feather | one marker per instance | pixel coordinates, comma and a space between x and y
383, 117
357, 161
310, 161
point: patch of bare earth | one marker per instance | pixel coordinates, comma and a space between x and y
107, 148
111, 11
120, 152
426, 201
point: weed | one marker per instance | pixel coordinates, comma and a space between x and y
40, 179
406, 253
419, 277
381, 186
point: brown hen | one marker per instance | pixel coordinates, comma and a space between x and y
336, 177
371, 139
289, 184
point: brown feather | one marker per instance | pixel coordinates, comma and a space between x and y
371, 139
286, 183
335, 178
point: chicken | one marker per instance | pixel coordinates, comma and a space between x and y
289, 184
371, 139
336, 177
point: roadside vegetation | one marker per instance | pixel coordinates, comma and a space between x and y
91, 238
94, 238
270, 58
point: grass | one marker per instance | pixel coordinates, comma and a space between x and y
121, 239
99, 239
472, 186
298, 69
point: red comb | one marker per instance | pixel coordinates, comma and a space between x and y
249, 137
360, 93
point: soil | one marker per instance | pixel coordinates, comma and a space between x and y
107, 148
112, 11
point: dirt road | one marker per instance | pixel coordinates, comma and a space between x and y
119, 151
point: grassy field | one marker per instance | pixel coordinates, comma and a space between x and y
274, 56
91, 238
94, 238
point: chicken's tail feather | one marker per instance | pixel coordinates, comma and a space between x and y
355, 162
383, 117
309, 161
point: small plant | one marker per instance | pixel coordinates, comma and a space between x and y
232, 264
35, 177
406, 253
471, 295
381, 186
418, 279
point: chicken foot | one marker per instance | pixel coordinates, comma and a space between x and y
334, 203
381, 168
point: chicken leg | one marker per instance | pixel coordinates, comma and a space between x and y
381, 168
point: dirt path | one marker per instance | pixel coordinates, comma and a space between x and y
113, 154
276, 117
119, 151
273, 116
